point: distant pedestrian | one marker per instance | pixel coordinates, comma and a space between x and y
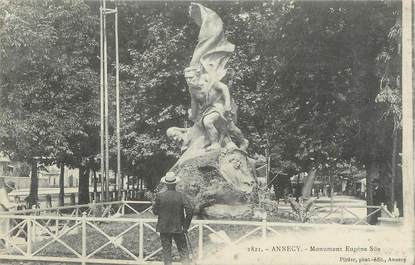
5, 203
175, 213
379, 197
6, 206
276, 187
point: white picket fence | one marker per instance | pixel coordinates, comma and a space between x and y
347, 214
102, 234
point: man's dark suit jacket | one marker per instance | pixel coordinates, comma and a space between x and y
174, 211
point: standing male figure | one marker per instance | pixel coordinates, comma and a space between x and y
175, 213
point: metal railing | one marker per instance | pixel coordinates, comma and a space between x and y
342, 214
102, 209
121, 240
104, 233
346, 214
51, 198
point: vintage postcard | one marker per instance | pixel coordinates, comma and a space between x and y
206, 132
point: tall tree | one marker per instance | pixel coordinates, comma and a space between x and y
309, 83
47, 79
390, 95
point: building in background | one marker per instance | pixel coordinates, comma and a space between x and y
14, 171
6, 169
52, 173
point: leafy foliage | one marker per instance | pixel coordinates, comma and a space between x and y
316, 84
302, 209
47, 81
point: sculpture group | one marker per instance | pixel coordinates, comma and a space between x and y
212, 108
214, 148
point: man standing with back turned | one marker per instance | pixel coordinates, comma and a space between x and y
175, 213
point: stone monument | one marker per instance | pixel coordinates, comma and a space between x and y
215, 170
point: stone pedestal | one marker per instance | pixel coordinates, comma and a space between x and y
222, 182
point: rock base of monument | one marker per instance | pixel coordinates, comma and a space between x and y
225, 211
220, 183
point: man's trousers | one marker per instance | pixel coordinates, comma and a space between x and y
166, 243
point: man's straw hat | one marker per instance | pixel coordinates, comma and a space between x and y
170, 178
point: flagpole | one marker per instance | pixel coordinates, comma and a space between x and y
117, 89
102, 97
106, 107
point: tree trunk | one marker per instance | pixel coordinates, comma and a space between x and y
393, 167
95, 184
122, 186
373, 170
101, 179
34, 186
62, 185
308, 184
127, 197
83, 189
297, 188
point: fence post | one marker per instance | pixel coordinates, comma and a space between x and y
264, 228
34, 230
57, 223
341, 215
29, 235
123, 206
382, 210
200, 246
141, 241
83, 238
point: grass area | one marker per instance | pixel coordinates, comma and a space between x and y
130, 240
